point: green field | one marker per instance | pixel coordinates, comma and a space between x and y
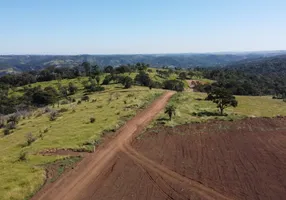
72, 129
188, 103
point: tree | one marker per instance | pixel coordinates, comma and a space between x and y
183, 75
95, 70
170, 110
174, 85
223, 98
108, 69
107, 80
143, 78
72, 88
87, 68
127, 82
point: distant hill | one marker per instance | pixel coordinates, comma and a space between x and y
18, 63
264, 66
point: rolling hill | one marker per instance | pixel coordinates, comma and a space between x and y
20, 63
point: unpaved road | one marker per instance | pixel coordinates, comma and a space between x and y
75, 184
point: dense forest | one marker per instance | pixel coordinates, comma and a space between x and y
265, 76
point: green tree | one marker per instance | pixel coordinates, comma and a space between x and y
87, 68
72, 88
222, 98
108, 69
170, 110
143, 78
127, 82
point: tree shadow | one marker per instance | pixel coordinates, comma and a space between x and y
207, 114
162, 120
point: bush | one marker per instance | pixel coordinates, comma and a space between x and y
92, 120
79, 102
53, 115
6, 131
63, 110
174, 85
15, 118
85, 98
64, 102
11, 125
22, 156
30, 139
2, 123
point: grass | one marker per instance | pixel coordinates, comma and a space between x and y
71, 130
188, 103
63, 165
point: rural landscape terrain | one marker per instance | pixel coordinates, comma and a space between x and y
136, 131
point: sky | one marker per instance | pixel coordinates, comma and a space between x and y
141, 26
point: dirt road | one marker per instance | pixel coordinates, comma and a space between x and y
75, 184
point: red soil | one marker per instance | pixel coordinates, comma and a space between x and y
217, 160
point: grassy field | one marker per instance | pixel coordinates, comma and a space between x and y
72, 129
192, 108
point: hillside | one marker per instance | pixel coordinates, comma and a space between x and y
261, 76
37, 62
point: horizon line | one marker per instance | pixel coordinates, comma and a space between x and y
131, 54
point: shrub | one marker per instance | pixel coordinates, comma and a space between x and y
64, 102
92, 120
15, 118
53, 115
6, 131
2, 123
79, 102
11, 125
63, 110
47, 110
174, 85
30, 139
85, 98
93, 100
22, 156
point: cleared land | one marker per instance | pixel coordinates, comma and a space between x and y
78, 183
71, 130
216, 160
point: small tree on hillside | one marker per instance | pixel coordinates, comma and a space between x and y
170, 110
127, 82
222, 98
72, 88
143, 78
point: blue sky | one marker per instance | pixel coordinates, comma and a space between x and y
146, 26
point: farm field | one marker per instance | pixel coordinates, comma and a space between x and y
244, 159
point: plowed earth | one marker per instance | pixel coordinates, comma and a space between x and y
218, 160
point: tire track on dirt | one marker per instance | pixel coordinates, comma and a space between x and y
200, 189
